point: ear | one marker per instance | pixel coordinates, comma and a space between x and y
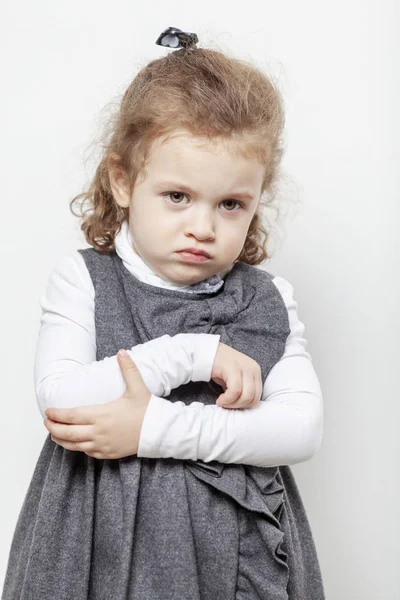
118, 181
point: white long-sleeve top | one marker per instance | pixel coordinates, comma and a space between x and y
284, 428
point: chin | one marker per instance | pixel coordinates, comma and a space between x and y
186, 279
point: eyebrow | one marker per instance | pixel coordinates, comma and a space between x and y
171, 185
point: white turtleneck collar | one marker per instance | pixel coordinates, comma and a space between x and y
136, 265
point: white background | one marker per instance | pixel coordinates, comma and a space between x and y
338, 67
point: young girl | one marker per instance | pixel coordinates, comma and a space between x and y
145, 489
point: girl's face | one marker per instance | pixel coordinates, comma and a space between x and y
195, 194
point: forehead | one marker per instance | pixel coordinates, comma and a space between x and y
191, 155
180, 140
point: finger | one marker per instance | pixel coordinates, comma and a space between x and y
76, 447
130, 372
258, 386
248, 392
70, 433
233, 388
79, 415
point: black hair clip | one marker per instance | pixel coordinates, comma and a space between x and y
176, 38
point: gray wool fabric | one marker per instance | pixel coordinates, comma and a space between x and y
166, 529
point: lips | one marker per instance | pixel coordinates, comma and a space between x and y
195, 251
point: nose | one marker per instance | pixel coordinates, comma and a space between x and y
201, 225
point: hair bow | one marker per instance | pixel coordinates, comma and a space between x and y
176, 38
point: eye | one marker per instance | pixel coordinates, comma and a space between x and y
167, 194
236, 202
174, 193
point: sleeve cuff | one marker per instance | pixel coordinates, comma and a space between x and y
170, 430
205, 350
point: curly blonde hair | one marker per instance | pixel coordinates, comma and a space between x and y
207, 93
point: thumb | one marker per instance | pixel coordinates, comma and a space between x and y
130, 372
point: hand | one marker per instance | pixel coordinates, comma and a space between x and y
239, 375
110, 430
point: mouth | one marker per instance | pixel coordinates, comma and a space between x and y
192, 257
195, 251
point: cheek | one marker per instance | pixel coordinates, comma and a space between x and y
237, 228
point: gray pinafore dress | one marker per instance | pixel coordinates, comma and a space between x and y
167, 529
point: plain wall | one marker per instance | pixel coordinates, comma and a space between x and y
338, 67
